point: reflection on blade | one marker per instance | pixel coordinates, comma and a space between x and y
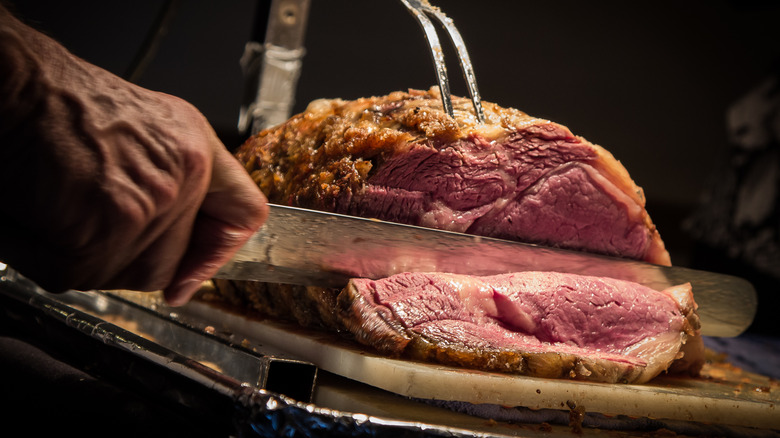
300, 246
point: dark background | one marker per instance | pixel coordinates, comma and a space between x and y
650, 81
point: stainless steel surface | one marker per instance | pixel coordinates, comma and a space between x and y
287, 23
131, 356
341, 407
271, 69
421, 9
300, 246
153, 330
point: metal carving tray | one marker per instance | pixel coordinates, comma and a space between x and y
251, 389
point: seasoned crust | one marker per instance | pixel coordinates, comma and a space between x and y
334, 157
332, 146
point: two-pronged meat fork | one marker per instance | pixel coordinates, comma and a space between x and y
421, 10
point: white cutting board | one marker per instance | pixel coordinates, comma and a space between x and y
723, 395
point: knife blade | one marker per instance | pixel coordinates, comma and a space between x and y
314, 248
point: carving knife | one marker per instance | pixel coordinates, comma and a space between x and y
314, 248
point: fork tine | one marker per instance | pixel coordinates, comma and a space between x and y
436, 52
463, 58
420, 10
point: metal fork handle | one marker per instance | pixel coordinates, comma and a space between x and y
421, 9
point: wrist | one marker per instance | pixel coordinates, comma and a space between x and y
33, 66
22, 84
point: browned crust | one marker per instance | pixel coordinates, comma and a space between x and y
300, 161
311, 307
327, 153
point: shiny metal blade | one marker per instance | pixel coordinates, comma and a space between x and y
306, 247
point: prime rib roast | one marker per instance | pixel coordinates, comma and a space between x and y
401, 158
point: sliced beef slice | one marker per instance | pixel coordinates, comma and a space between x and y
533, 323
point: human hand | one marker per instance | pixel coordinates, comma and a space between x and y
109, 185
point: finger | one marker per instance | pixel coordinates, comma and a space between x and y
213, 243
234, 208
154, 268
